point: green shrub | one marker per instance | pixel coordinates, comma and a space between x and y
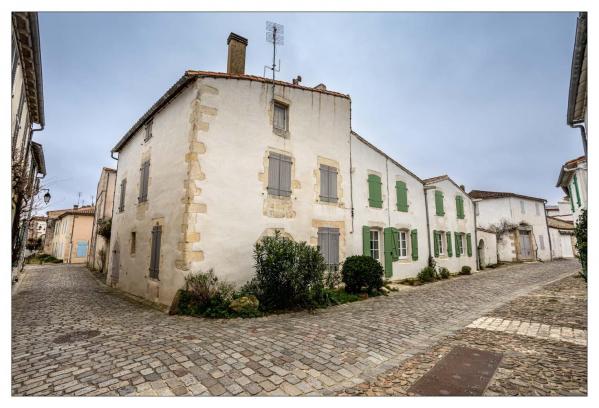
427, 274
362, 271
245, 306
332, 278
581, 241
289, 274
466, 270
444, 273
205, 295
338, 297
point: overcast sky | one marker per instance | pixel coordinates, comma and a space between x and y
481, 97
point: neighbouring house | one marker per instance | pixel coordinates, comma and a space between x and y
519, 221
36, 233
563, 239
486, 247
573, 179
452, 226
99, 249
577, 95
389, 220
27, 109
223, 159
51, 218
560, 211
72, 234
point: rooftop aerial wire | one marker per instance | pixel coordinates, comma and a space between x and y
275, 35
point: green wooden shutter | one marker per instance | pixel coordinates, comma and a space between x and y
366, 240
436, 243
459, 205
577, 192
402, 196
469, 244
375, 198
572, 202
414, 235
457, 244
439, 202
389, 248
395, 244
449, 249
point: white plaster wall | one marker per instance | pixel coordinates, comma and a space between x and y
489, 254
450, 222
166, 150
565, 210
365, 160
239, 137
492, 211
582, 178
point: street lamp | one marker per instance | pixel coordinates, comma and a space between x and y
47, 196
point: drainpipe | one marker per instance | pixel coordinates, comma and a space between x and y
71, 239
475, 202
583, 135
388, 203
351, 181
428, 225
548, 233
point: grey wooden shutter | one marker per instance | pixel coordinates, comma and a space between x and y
155, 251
323, 243
143, 185
328, 244
273, 174
148, 130
122, 196
324, 183
332, 184
334, 246
285, 186
279, 175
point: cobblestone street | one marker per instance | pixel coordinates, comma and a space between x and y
542, 337
73, 336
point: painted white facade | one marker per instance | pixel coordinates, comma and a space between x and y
365, 161
579, 196
449, 223
486, 247
527, 214
562, 244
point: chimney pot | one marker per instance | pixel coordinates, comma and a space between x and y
236, 54
75, 206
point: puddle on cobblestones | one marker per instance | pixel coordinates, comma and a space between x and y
463, 371
76, 336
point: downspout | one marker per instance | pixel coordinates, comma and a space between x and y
476, 236
428, 225
388, 203
109, 252
583, 135
548, 233
351, 182
71, 239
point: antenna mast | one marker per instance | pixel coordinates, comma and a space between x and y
275, 35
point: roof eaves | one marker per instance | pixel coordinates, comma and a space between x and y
367, 143
580, 46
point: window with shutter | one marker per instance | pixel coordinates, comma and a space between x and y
375, 197
403, 244
328, 245
328, 184
18, 117
281, 115
155, 251
449, 248
375, 244
366, 240
439, 203
389, 251
459, 203
122, 195
542, 242
402, 196
143, 184
576, 188
458, 242
279, 175
414, 236
522, 210
469, 244
436, 243
148, 130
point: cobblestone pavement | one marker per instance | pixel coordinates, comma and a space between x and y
536, 360
73, 336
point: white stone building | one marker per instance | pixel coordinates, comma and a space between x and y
98, 255
521, 221
573, 179
452, 228
222, 159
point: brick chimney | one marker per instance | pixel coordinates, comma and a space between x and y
236, 55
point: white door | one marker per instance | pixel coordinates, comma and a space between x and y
566, 242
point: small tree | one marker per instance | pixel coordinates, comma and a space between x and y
581, 241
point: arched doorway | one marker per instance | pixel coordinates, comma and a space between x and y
481, 254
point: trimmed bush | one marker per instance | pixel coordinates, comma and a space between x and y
289, 274
581, 241
427, 274
466, 270
362, 271
444, 273
205, 295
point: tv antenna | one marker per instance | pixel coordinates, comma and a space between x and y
275, 34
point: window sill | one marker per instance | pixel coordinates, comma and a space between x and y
282, 133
